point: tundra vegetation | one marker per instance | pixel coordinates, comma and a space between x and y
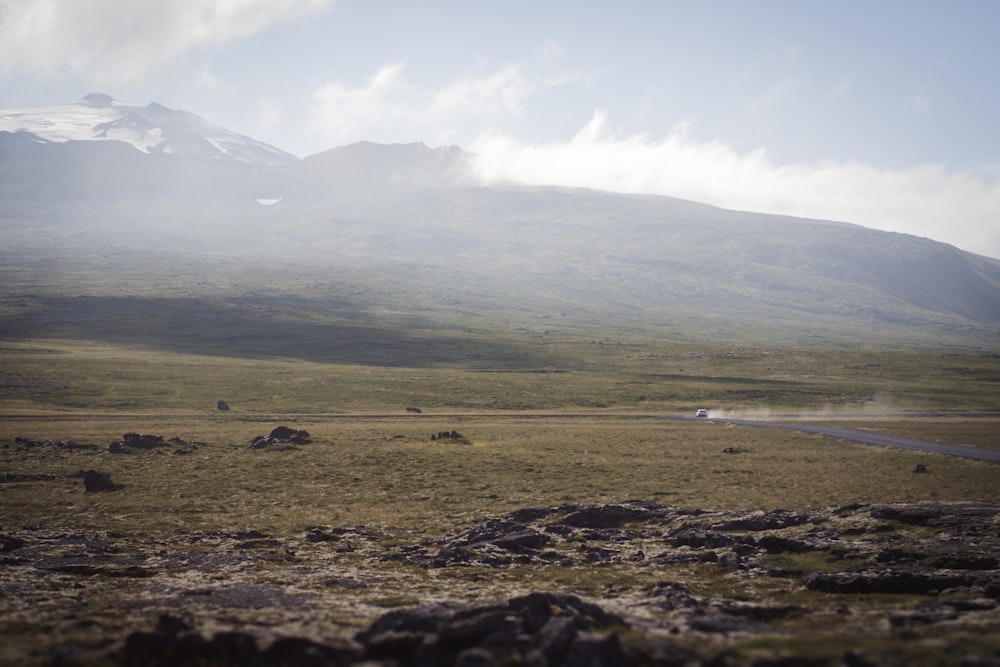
319, 539
696, 541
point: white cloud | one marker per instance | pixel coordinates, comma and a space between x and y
388, 108
925, 200
917, 101
123, 40
840, 90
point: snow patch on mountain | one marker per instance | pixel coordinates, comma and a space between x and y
152, 129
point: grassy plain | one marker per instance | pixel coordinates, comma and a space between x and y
578, 427
385, 472
554, 411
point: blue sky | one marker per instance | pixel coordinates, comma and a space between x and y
882, 113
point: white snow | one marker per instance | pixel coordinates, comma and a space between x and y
99, 117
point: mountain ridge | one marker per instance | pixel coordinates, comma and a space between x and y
449, 241
153, 128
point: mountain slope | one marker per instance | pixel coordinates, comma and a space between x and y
151, 129
411, 231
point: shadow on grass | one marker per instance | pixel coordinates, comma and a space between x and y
268, 327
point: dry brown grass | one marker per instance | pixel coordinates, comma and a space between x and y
386, 473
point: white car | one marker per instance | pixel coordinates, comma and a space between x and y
701, 412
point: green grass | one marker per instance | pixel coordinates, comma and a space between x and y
548, 374
554, 409
386, 473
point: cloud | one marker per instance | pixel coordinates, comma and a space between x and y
123, 40
840, 90
925, 200
480, 112
388, 108
917, 101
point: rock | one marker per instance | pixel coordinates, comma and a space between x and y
672, 595
259, 442
506, 535
95, 481
698, 538
779, 544
414, 410
912, 581
447, 435
929, 513
538, 628
281, 435
222, 405
604, 516
773, 520
143, 441
286, 434
174, 642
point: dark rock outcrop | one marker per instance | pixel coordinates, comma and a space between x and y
539, 629
95, 481
447, 435
143, 441
933, 565
281, 435
175, 642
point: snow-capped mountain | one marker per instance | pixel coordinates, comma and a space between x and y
152, 129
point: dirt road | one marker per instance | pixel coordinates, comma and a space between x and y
870, 438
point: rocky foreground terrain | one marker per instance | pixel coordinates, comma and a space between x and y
636, 583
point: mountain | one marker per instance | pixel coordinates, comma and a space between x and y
406, 229
151, 129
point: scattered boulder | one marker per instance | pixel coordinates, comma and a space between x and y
414, 410
222, 405
538, 628
899, 580
131, 442
604, 516
175, 642
921, 468
535, 629
698, 538
447, 435
95, 481
143, 441
773, 520
281, 435
287, 434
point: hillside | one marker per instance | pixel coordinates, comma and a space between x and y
403, 228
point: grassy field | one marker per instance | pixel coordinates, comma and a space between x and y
589, 436
385, 477
547, 372
387, 473
548, 417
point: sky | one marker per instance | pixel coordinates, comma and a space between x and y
882, 113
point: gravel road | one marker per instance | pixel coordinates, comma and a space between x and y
877, 439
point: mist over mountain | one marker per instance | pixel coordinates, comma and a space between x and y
411, 228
